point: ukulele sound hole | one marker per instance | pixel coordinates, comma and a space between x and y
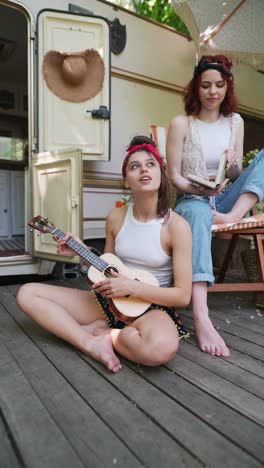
108, 271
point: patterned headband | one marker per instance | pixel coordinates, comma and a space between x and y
203, 65
144, 146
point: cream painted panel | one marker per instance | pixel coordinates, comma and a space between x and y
94, 230
135, 107
249, 85
62, 123
57, 194
4, 204
17, 202
97, 202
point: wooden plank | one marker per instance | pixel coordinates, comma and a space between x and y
237, 318
243, 346
232, 341
241, 312
10, 458
238, 331
240, 360
93, 440
227, 392
230, 423
135, 428
29, 420
166, 409
223, 368
222, 287
229, 302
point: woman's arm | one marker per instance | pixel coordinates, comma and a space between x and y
236, 158
174, 150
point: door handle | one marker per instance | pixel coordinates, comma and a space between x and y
101, 113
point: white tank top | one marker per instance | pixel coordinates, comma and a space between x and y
215, 139
138, 246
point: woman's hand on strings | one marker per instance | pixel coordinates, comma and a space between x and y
62, 247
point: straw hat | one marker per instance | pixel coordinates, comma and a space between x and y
75, 76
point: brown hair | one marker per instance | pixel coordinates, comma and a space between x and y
164, 189
191, 92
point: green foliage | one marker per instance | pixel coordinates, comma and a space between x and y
161, 11
248, 158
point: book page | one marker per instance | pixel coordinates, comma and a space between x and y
221, 170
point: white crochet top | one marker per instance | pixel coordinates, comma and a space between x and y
193, 161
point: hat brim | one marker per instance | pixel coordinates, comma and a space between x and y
89, 87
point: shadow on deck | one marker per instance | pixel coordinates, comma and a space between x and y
59, 408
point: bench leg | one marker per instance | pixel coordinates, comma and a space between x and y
259, 255
227, 259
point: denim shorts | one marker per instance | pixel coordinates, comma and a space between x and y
114, 322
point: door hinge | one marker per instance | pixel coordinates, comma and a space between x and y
33, 30
34, 143
75, 201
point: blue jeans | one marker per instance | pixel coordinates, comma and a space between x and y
198, 213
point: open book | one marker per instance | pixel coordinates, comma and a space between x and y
211, 184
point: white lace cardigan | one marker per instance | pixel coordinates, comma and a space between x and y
193, 160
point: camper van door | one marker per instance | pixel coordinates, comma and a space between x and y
57, 195
67, 131
61, 122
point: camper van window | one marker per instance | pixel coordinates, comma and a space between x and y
12, 149
13, 141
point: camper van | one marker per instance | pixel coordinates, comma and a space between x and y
61, 158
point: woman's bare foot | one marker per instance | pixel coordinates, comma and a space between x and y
98, 327
208, 339
101, 349
224, 218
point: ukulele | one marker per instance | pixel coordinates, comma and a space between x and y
126, 309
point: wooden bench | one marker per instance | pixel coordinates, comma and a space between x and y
251, 226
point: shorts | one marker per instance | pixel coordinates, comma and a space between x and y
114, 322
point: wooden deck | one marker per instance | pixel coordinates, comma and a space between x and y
61, 409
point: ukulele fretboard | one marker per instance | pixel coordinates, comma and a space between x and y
83, 251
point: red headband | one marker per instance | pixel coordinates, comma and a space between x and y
144, 146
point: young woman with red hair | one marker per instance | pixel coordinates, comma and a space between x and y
145, 235
195, 143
